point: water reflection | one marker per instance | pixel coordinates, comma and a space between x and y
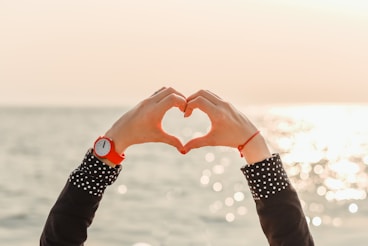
217, 186
122, 189
230, 217
324, 150
353, 208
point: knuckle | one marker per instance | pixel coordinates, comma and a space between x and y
202, 91
170, 89
227, 105
144, 102
171, 98
199, 99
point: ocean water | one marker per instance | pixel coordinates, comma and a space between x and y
165, 198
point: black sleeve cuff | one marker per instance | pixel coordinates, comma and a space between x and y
266, 178
93, 175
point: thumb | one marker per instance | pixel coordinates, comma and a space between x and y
196, 143
171, 140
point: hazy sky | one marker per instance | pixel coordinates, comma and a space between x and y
114, 52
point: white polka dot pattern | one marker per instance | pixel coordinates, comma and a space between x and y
93, 176
266, 178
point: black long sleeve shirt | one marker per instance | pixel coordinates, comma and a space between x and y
277, 203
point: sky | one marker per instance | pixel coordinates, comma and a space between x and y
89, 52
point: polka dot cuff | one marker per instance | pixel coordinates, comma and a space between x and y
93, 175
266, 178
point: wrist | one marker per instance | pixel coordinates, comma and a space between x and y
121, 144
256, 150
106, 161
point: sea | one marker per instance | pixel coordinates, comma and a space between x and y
201, 198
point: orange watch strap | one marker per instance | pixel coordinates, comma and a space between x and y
114, 156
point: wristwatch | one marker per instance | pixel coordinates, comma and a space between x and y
104, 148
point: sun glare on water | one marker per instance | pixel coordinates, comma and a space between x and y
325, 150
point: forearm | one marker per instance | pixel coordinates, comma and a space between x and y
278, 206
75, 208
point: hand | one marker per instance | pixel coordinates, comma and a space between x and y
142, 124
229, 127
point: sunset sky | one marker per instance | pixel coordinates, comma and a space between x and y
83, 52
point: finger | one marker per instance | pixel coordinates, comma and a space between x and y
197, 143
201, 103
171, 140
158, 91
172, 100
206, 94
163, 93
215, 95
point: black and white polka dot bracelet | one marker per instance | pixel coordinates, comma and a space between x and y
266, 178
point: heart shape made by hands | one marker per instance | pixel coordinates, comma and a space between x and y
185, 129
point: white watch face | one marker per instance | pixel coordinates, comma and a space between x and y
102, 147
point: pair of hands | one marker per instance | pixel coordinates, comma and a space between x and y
229, 127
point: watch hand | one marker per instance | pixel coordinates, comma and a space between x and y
103, 146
